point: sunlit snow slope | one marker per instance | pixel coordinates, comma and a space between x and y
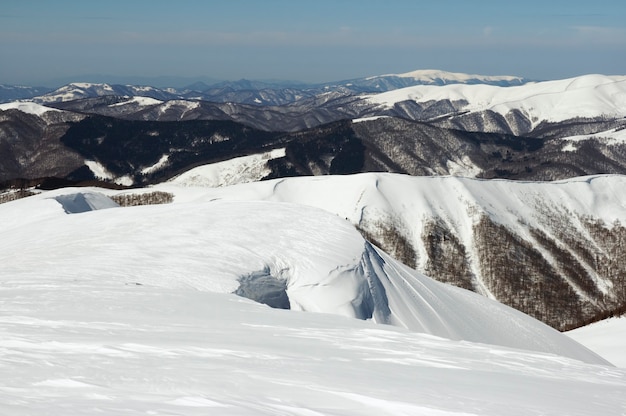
587, 96
551, 249
27, 107
74, 346
210, 246
230, 172
607, 338
125, 311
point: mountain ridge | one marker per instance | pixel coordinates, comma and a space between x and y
340, 273
247, 91
559, 242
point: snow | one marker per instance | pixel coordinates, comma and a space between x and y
27, 107
86, 85
554, 101
187, 105
410, 201
464, 167
102, 172
143, 88
359, 120
139, 100
129, 311
113, 349
327, 269
98, 169
609, 137
607, 338
237, 170
433, 75
158, 165
125, 180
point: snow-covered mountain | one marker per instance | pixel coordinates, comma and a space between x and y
582, 105
82, 90
281, 249
260, 92
390, 82
523, 108
29, 145
519, 132
553, 250
27, 107
125, 310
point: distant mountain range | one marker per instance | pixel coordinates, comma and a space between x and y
537, 131
252, 92
10, 93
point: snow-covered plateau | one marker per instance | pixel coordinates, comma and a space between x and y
120, 311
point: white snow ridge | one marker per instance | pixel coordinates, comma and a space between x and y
131, 311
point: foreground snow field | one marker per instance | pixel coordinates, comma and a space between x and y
104, 347
125, 311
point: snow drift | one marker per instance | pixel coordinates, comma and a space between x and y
325, 264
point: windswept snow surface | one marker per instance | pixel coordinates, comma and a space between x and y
326, 264
607, 338
128, 311
587, 96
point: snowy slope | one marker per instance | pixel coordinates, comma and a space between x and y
551, 222
125, 311
588, 96
324, 262
82, 347
369, 197
439, 77
81, 90
231, 172
27, 107
607, 338
610, 137
76, 91
138, 101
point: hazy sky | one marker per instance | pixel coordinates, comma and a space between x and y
44, 41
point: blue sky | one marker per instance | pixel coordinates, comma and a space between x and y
45, 41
